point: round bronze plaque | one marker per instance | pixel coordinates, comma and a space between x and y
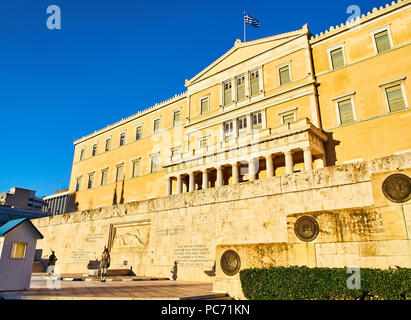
397, 187
230, 262
306, 228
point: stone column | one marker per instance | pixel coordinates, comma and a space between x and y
235, 128
308, 159
289, 165
269, 164
191, 185
251, 170
179, 185
321, 162
168, 186
205, 179
219, 182
235, 173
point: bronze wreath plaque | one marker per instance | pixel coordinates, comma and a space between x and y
397, 188
230, 262
306, 228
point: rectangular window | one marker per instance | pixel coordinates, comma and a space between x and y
257, 120
108, 144
119, 173
90, 181
395, 98
18, 250
337, 58
346, 111
139, 132
154, 163
82, 152
382, 41
156, 125
240, 88
94, 150
122, 139
204, 105
104, 174
78, 184
228, 130
176, 118
288, 118
136, 168
227, 93
284, 75
242, 123
204, 143
254, 82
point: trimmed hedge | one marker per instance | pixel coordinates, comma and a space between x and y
303, 283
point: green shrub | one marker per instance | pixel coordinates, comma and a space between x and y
303, 283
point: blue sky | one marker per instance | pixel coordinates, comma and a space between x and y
111, 59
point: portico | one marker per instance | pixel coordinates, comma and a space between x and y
276, 151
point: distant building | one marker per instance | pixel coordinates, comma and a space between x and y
58, 203
7, 214
23, 199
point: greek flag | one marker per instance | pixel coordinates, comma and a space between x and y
250, 20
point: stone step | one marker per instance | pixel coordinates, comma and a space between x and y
37, 267
211, 296
117, 272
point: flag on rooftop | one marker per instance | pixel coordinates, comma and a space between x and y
250, 20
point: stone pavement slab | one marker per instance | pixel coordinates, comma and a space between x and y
42, 289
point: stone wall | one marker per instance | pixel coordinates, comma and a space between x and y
151, 235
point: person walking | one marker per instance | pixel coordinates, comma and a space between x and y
104, 264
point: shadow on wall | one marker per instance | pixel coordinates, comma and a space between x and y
330, 154
211, 273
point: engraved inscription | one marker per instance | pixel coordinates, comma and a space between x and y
170, 232
93, 237
80, 256
193, 255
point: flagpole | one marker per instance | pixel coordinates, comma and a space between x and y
244, 26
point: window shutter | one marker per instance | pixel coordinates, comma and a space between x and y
346, 113
284, 75
241, 92
337, 58
176, 119
382, 41
395, 98
138, 133
255, 86
119, 175
136, 168
204, 105
104, 177
156, 125
227, 93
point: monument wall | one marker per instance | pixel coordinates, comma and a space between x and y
357, 225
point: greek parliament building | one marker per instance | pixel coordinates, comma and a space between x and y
288, 125
274, 106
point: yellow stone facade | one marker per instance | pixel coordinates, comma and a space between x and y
265, 108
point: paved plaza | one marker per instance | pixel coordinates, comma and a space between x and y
115, 288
